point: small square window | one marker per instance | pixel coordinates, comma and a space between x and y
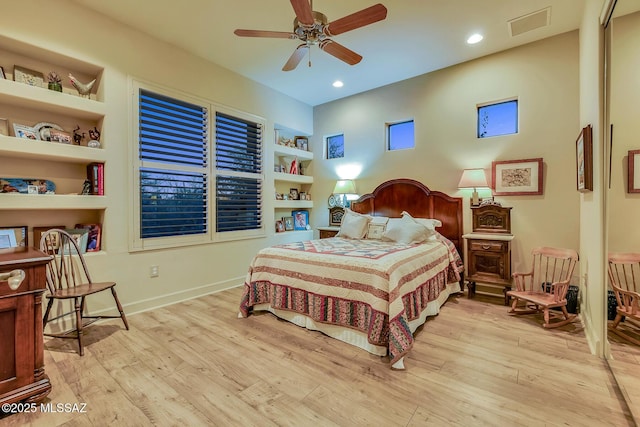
498, 119
400, 135
335, 146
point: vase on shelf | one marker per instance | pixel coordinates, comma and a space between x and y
55, 86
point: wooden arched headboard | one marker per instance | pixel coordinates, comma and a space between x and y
392, 197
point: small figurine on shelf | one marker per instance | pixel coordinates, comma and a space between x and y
77, 136
94, 134
82, 88
54, 81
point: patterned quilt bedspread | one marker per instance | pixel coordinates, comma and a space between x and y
373, 286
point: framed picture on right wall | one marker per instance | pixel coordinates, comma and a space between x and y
633, 185
584, 160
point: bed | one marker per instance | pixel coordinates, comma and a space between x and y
367, 292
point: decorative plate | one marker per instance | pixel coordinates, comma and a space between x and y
332, 201
43, 129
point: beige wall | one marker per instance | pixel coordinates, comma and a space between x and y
122, 52
544, 77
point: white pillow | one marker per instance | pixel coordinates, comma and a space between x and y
429, 223
406, 231
354, 225
376, 227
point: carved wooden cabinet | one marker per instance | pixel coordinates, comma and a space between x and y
22, 376
489, 250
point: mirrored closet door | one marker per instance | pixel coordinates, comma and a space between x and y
622, 59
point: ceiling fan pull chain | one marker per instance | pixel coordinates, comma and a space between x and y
309, 58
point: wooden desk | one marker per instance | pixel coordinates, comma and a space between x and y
22, 377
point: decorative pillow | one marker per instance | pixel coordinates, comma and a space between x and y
429, 223
406, 231
354, 225
377, 226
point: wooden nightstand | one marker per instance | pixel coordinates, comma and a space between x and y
489, 250
326, 232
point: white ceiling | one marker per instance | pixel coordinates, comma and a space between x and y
417, 37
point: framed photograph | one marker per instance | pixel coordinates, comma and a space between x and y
23, 131
633, 172
13, 237
584, 160
288, 223
279, 226
60, 136
37, 234
2, 74
293, 194
4, 127
302, 143
335, 215
94, 237
300, 220
517, 177
27, 76
81, 236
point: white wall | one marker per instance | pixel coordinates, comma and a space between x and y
544, 77
63, 27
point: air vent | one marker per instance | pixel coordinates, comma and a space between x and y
529, 22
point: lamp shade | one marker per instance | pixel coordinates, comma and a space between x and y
345, 186
473, 178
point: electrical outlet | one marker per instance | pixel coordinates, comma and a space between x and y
154, 271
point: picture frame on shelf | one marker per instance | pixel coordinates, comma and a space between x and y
14, 237
27, 76
517, 177
37, 235
81, 237
633, 171
2, 74
24, 131
300, 220
294, 194
279, 226
302, 143
288, 223
60, 136
584, 160
94, 238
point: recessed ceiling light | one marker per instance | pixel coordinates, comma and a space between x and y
338, 83
475, 38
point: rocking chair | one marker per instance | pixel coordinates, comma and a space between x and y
545, 286
624, 276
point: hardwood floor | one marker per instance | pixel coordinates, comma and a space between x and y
195, 363
625, 364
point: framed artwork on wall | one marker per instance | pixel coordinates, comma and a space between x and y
633, 171
584, 160
517, 177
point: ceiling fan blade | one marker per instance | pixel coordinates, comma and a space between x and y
359, 19
340, 52
260, 33
296, 57
302, 8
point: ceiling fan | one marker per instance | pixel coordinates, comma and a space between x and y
312, 28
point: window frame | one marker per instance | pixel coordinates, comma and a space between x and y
387, 129
136, 242
493, 103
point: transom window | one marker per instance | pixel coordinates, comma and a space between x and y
497, 119
400, 135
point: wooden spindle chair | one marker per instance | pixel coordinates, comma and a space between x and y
624, 278
545, 286
68, 279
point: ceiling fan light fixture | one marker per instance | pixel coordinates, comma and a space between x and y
338, 83
475, 38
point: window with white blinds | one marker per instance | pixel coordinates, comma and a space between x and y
238, 173
173, 173
198, 171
